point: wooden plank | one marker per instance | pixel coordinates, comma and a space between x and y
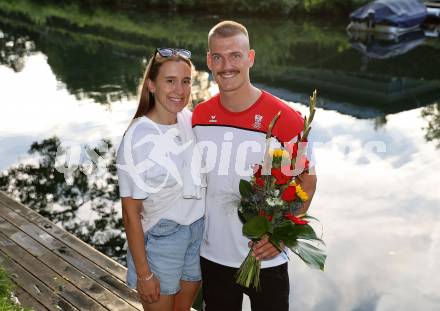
27, 301
56, 266
56, 282
92, 254
67, 247
62, 249
38, 290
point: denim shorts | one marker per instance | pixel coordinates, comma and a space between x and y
173, 254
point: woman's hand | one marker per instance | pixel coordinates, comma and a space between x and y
149, 291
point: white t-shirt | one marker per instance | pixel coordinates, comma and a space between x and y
149, 162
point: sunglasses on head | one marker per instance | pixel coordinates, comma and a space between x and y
169, 52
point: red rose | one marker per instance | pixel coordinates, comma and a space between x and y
289, 194
295, 220
257, 171
281, 179
259, 181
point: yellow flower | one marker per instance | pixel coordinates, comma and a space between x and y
279, 153
292, 183
301, 193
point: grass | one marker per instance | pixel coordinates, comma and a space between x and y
6, 288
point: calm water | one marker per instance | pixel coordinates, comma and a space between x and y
73, 74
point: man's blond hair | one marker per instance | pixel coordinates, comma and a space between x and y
227, 29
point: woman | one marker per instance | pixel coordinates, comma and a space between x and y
162, 205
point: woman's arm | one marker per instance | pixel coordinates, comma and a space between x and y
148, 289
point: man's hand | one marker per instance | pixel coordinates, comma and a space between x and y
149, 291
264, 250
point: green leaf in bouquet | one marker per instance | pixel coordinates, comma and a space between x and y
307, 217
305, 232
284, 232
289, 233
245, 213
245, 188
241, 215
311, 255
256, 227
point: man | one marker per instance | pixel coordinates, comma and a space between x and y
233, 125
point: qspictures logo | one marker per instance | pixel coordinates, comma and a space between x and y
161, 146
143, 151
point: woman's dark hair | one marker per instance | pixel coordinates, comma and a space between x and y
146, 99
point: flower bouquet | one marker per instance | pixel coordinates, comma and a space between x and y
271, 202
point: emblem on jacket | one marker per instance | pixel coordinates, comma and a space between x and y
257, 123
213, 119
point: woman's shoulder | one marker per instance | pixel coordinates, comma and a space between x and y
139, 128
186, 112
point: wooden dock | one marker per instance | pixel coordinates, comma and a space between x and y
54, 270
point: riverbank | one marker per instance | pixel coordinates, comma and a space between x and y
245, 7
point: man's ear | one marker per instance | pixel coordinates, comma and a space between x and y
208, 60
151, 86
251, 57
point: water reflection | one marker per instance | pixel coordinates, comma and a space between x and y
99, 55
383, 46
96, 73
88, 207
380, 214
102, 60
432, 116
14, 49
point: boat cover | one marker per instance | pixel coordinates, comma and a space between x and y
399, 13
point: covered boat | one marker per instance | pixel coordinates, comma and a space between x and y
388, 16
